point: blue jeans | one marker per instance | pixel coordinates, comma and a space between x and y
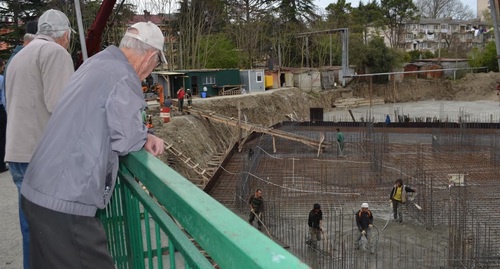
17, 170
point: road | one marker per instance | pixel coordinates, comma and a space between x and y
10, 234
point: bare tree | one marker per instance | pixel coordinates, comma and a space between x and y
155, 6
245, 17
197, 18
437, 9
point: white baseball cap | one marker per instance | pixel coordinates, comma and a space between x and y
53, 20
150, 34
364, 205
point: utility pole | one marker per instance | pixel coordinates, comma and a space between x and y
494, 17
180, 51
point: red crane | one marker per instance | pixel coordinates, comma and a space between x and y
94, 34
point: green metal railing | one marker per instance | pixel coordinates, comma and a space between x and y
158, 219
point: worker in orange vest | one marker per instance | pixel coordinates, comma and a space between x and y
159, 90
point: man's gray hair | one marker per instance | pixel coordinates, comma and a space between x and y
28, 37
135, 44
53, 34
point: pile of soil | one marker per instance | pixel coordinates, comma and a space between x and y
474, 87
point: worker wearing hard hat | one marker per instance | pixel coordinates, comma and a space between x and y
364, 221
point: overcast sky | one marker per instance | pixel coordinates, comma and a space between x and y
354, 3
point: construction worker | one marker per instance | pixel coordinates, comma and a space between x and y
180, 98
398, 198
314, 223
149, 123
256, 203
189, 96
364, 221
340, 140
159, 91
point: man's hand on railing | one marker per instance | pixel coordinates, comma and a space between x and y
154, 145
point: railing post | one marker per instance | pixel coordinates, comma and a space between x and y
133, 230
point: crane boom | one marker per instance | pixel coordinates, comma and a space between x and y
94, 34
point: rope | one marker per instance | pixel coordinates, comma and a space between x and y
259, 220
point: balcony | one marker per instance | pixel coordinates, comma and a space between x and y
159, 219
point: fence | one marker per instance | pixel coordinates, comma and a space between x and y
455, 226
159, 219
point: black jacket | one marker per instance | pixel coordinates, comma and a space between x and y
256, 203
315, 218
363, 219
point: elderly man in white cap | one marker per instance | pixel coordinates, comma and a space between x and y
34, 82
74, 168
364, 221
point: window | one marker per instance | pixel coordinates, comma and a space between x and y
209, 80
258, 76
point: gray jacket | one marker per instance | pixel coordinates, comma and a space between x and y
97, 119
36, 77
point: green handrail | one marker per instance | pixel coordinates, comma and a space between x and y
228, 240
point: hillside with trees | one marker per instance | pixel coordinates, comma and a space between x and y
257, 33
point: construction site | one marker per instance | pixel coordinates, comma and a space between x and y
233, 145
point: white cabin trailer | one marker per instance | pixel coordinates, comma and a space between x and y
252, 80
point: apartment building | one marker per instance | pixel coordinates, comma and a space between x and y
482, 6
435, 34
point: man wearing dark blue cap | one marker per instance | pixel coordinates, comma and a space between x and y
30, 34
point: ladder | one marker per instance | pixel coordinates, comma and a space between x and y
205, 177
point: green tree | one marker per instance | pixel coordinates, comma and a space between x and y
415, 55
484, 58
196, 19
221, 52
250, 24
365, 16
379, 58
339, 14
297, 11
358, 51
397, 13
15, 13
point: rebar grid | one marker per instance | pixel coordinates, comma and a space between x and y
456, 227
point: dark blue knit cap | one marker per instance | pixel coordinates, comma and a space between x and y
31, 27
